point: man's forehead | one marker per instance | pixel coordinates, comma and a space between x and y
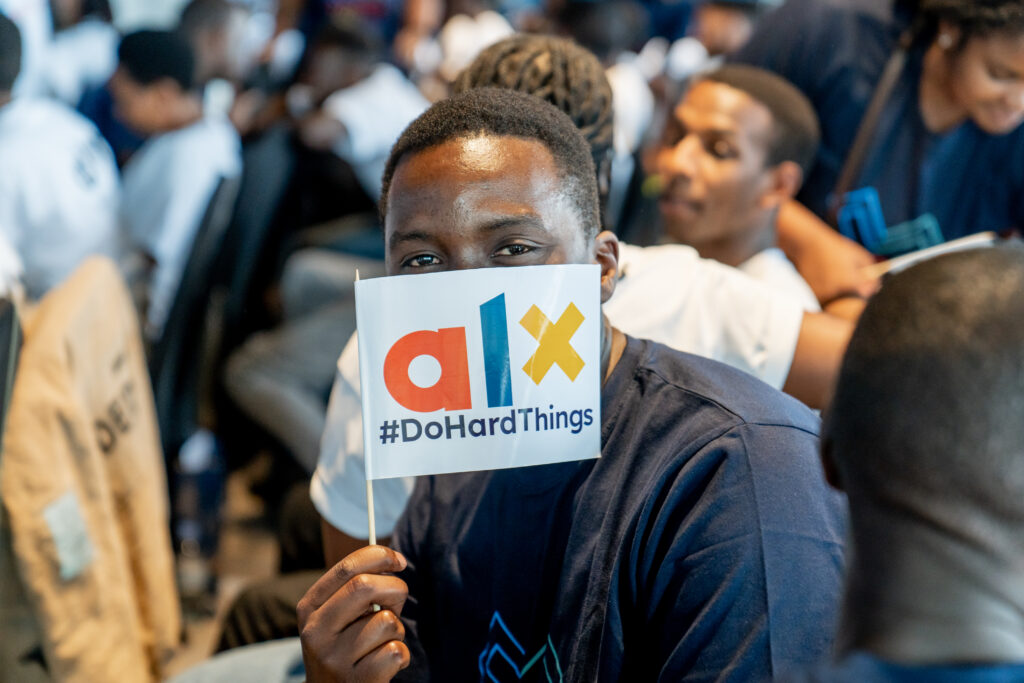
474, 159
722, 107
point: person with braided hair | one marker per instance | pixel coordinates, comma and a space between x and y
558, 71
945, 154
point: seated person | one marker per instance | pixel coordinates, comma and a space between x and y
733, 150
704, 307
281, 377
169, 182
948, 139
58, 181
361, 103
666, 559
925, 436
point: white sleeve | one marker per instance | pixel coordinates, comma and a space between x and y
375, 111
706, 308
338, 488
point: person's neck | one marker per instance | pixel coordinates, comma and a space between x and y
916, 594
5, 98
613, 343
186, 112
737, 249
939, 108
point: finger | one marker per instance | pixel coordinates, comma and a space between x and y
383, 663
370, 632
355, 599
374, 559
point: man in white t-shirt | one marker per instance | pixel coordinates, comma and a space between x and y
58, 181
667, 293
169, 182
733, 150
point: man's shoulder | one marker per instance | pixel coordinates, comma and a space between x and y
671, 378
38, 121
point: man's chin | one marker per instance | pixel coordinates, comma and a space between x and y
679, 218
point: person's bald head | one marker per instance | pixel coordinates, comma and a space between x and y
928, 417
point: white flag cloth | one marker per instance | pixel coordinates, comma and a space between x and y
480, 369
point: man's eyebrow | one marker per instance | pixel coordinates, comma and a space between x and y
507, 222
411, 236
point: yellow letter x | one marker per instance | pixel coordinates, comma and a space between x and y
553, 340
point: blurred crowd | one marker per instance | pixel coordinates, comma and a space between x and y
189, 190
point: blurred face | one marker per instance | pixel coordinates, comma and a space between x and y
712, 159
986, 78
141, 107
722, 29
482, 202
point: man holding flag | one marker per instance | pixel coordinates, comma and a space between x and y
672, 557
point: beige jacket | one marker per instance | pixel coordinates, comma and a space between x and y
83, 484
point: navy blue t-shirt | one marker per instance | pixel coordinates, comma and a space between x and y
703, 545
835, 52
860, 667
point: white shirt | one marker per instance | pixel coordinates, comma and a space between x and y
35, 24
81, 56
167, 186
374, 111
58, 190
667, 294
775, 270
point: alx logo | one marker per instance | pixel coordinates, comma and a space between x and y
448, 346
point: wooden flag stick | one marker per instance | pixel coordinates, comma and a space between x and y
372, 538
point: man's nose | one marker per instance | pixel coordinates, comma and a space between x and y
681, 158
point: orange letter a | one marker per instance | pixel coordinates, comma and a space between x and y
451, 391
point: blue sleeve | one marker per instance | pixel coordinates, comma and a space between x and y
736, 567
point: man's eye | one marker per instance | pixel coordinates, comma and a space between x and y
1001, 74
722, 149
514, 250
421, 261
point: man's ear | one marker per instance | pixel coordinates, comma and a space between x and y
606, 255
784, 181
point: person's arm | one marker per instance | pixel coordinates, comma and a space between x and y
343, 638
712, 592
819, 352
832, 264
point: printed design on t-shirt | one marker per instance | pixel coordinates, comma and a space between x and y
504, 659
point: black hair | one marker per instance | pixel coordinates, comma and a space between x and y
795, 130
10, 53
203, 15
97, 8
972, 17
353, 36
557, 71
929, 405
502, 112
150, 56
605, 28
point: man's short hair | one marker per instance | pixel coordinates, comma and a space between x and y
795, 130
928, 411
557, 71
10, 53
501, 112
150, 56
